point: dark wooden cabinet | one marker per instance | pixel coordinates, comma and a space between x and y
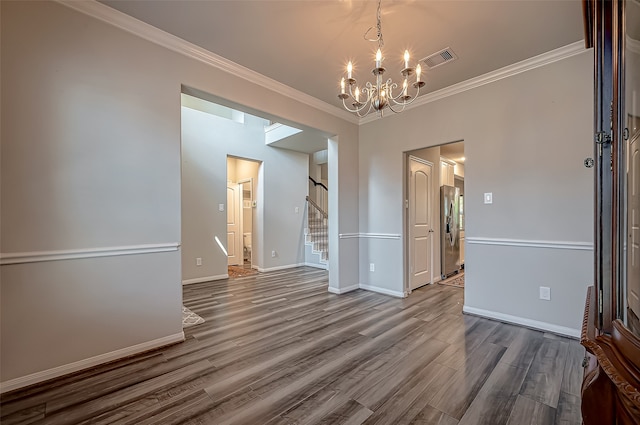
611, 329
611, 380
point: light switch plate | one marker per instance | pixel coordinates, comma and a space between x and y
488, 198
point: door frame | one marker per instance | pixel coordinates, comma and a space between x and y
242, 183
237, 203
407, 222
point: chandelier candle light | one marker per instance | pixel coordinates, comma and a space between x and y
379, 95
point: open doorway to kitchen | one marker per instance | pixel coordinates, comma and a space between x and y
434, 216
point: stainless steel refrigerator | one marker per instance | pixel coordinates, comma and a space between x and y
449, 230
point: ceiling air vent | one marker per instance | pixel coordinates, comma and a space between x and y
440, 58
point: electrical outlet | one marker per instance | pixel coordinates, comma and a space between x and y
297, 210
198, 261
220, 207
372, 267
545, 293
273, 254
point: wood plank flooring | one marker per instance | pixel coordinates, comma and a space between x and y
278, 349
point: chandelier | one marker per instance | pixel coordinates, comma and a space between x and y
379, 95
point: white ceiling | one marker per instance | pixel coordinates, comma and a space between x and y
306, 44
453, 151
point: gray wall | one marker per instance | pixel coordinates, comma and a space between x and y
525, 141
206, 141
91, 161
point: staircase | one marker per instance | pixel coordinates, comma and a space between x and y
316, 233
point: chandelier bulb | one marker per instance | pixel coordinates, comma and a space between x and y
406, 59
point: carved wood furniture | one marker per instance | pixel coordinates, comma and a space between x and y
611, 372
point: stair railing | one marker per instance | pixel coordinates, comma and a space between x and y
321, 194
317, 228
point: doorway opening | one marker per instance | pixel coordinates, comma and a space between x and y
242, 179
434, 216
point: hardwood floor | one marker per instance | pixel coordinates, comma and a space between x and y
277, 348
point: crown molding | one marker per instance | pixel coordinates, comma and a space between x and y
493, 76
162, 38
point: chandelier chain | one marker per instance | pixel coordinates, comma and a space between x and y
379, 39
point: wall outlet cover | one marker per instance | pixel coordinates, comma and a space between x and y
545, 293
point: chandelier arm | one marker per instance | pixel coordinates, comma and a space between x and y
402, 109
366, 113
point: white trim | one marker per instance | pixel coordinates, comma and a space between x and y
369, 235
74, 254
383, 291
523, 321
323, 266
273, 269
343, 290
34, 378
155, 35
420, 160
572, 245
493, 76
205, 279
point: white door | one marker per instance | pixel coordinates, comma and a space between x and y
420, 223
234, 231
633, 223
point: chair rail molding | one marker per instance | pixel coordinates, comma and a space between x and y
369, 236
527, 243
74, 254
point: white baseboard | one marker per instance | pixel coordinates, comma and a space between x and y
343, 290
288, 266
383, 291
318, 265
205, 279
523, 321
34, 378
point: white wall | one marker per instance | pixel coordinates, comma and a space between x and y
90, 153
206, 141
525, 141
